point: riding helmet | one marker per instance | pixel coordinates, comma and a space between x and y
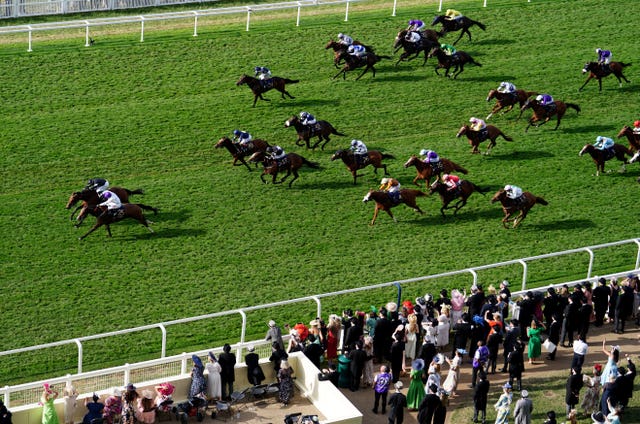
303, 115
508, 187
599, 138
598, 51
539, 98
257, 69
341, 36
473, 119
237, 133
424, 152
354, 142
636, 124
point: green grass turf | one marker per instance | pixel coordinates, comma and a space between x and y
148, 114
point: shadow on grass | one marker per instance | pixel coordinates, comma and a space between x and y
565, 224
590, 129
303, 102
520, 155
407, 78
496, 42
336, 185
165, 233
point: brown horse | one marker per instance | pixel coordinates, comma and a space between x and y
339, 48
374, 158
352, 63
509, 206
90, 200
598, 72
464, 190
601, 156
457, 60
239, 152
262, 86
128, 210
476, 137
451, 25
543, 114
292, 163
384, 202
412, 50
425, 171
634, 139
321, 129
508, 100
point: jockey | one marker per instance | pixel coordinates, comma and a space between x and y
604, 56
544, 99
345, 40
98, 184
356, 50
452, 14
359, 150
430, 157
307, 119
603, 143
275, 153
506, 87
448, 49
111, 201
477, 124
416, 25
513, 192
451, 181
636, 127
241, 137
262, 72
413, 37
392, 187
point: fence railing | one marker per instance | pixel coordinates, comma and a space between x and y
589, 251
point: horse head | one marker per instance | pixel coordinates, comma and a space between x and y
330, 44
243, 79
436, 187
400, 38
500, 194
626, 130
492, 94
462, 131
291, 121
437, 20
587, 67
223, 142
73, 199
339, 154
412, 160
588, 148
367, 197
528, 104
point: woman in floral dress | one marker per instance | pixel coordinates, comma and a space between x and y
368, 373
503, 405
591, 401
198, 382
286, 383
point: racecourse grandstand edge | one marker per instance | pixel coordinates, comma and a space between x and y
170, 367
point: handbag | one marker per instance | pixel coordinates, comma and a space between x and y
549, 345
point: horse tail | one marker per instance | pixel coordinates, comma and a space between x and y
541, 201
314, 165
480, 24
624, 65
458, 168
574, 106
335, 131
378, 57
506, 137
136, 191
472, 60
386, 156
289, 81
147, 208
480, 189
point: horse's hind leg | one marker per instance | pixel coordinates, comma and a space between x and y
295, 177
364, 72
461, 34
287, 93
95, 227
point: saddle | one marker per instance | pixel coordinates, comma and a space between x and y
483, 134
550, 109
283, 162
362, 160
437, 167
314, 129
246, 148
394, 197
606, 69
116, 214
609, 153
266, 84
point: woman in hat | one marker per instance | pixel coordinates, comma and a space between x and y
416, 388
611, 368
112, 407
214, 384
198, 383
333, 337
412, 334
457, 304
286, 383
129, 400
442, 337
503, 405
164, 401
70, 395
146, 408
535, 343
591, 400
451, 382
94, 409
368, 372
49, 395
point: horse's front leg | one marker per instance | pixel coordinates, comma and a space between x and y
286, 176
585, 83
108, 230
506, 220
459, 205
262, 178
364, 72
519, 218
375, 215
95, 227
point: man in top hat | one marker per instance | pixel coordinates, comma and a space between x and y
397, 403
600, 298
523, 409
551, 418
274, 334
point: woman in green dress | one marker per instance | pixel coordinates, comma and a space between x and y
416, 387
49, 415
535, 343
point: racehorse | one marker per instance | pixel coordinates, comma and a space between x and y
292, 163
239, 152
352, 62
262, 86
321, 129
476, 137
598, 72
508, 100
384, 202
601, 156
634, 139
128, 210
463, 191
509, 206
425, 171
338, 48
457, 60
544, 114
412, 50
90, 200
374, 158
452, 25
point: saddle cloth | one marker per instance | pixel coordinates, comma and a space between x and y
283, 163
437, 167
267, 83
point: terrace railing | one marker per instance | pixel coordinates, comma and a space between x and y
469, 274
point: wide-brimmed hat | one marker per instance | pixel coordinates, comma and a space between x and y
506, 386
165, 389
392, 307
439, 359
147, 394
597, 417
418, 364
272, 323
